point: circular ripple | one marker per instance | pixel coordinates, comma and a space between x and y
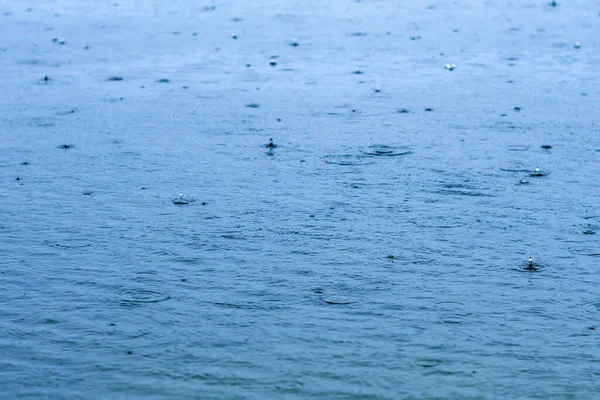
451, 312
346, 160
440, 223
182, 201
69, 243
516, 147
585, 251
339, 300
537, 267
141, 296
386, 151
428, 362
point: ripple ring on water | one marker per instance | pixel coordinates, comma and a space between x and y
141, 296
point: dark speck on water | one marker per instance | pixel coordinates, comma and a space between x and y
371, 252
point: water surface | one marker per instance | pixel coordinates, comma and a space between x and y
276, 281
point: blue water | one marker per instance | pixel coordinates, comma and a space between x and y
371, 254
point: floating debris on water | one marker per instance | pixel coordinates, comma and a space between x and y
450, 66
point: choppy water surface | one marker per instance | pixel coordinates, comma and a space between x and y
378, 250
